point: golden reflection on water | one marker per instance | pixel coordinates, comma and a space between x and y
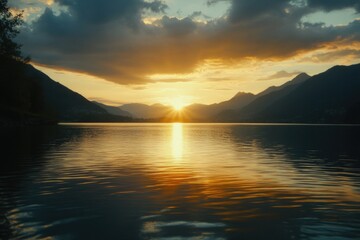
209, 180
177, 140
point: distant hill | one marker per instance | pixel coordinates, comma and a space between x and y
330, 97
206, 113
194, 112
138, 110
113, 110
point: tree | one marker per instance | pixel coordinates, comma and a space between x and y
9, 29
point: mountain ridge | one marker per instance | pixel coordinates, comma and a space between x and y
332, 96
30, 97
117, 111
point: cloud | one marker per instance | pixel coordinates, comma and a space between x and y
31, 8
345, 54
250, 10
221, 79
109, 39
177, 27
98, 12
171, 80
281, 74
330, 5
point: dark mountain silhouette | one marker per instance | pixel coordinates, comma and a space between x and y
201, 112
330, 97
302, 77
21, 97
28, 96
67, 105
263, 100
113, 110
227, 111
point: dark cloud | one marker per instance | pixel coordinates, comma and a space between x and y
177, 27
92, 41
330, 5
245, 10
109, 38
155, 6
95, 11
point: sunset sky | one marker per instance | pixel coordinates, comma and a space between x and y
203, 51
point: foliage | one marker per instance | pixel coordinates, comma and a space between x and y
9, 29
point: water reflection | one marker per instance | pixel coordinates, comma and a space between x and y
233, 182
177, 140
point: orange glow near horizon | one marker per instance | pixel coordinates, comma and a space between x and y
210, 83
178, 104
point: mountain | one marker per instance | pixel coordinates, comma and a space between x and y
28, 96
224, 111
67, 105
201, 112
155, 111
330, 97
194, 112
262, 100
113, 110
302, 77
21, 98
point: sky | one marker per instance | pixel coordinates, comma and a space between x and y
185, 51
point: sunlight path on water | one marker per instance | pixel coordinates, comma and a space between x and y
177, 140
146, 181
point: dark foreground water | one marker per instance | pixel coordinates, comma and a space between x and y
180, 181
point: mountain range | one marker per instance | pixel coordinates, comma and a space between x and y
329, 97
29, 96
205, 113
196, 112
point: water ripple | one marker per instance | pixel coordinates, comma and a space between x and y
190, 181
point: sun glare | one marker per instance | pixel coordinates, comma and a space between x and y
178, 104
178, 107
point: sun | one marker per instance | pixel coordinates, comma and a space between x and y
178, 104
178, 107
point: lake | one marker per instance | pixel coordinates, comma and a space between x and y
180, 181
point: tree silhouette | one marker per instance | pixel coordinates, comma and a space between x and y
9, 29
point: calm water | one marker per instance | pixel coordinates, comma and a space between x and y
180, 181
